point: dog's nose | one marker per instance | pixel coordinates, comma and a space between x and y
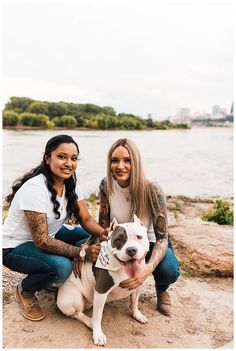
131, 251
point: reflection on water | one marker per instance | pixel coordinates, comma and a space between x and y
196, 162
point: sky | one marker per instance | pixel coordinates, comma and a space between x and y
140, 57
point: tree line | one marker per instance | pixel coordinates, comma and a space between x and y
23, 111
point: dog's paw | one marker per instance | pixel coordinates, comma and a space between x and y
99, 339
140, 317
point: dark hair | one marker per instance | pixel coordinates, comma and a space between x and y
70, 183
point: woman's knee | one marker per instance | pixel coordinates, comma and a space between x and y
172, 273
169, 268
60, 269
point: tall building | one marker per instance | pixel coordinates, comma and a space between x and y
184, 114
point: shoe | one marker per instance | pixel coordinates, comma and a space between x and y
163, 302
30, 308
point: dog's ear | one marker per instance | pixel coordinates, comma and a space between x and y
137, 220
113, 224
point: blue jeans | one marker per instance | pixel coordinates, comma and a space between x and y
43, 269
167, 272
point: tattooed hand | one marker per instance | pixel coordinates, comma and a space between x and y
92, 252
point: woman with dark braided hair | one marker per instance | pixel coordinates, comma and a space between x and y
36, 240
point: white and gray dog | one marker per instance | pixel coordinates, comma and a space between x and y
119, 258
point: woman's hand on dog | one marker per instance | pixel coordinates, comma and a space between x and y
104, 234
138, 279
92, 252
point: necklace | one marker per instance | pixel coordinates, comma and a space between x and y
59, 190
60, 205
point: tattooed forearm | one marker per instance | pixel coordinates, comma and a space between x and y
39, 230
104, 208
158, 252
160, 227
160, 224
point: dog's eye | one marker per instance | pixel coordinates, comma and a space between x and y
139, 237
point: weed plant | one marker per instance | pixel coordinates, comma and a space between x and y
221, 213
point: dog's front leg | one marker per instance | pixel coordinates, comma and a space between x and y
134, 307
99, 301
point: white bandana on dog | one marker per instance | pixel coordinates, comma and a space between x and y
106, 260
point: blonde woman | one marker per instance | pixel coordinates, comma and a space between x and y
125, 192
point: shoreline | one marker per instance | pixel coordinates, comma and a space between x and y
16, 128
86, 129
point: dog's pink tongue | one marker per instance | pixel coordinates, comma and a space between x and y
131, 267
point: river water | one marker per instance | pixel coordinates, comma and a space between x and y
195, 162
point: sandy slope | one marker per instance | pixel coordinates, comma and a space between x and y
202, 307
202, 318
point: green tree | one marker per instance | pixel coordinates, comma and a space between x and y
56, 121
38, 107
10, 118
50, 124
34, 120
26, 118
113, 122
109, 110
149, 123
18, 104
41, 120
66, 121
73, 109
103, 121
159, 125
57, 109
91, 123
91, 109
80, 119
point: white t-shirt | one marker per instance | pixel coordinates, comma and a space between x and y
120, 207
33, 195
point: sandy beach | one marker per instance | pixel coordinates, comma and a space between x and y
202, 298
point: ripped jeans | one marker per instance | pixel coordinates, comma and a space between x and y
43, 269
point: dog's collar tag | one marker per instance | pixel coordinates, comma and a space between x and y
106, 260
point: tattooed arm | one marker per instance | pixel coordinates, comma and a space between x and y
159, 225
39, 230
161, 245
89, 224
104, 208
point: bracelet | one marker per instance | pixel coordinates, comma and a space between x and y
153, 264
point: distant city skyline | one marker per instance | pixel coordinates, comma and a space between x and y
140, 57
186, 112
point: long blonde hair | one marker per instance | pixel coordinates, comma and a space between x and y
141, 190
